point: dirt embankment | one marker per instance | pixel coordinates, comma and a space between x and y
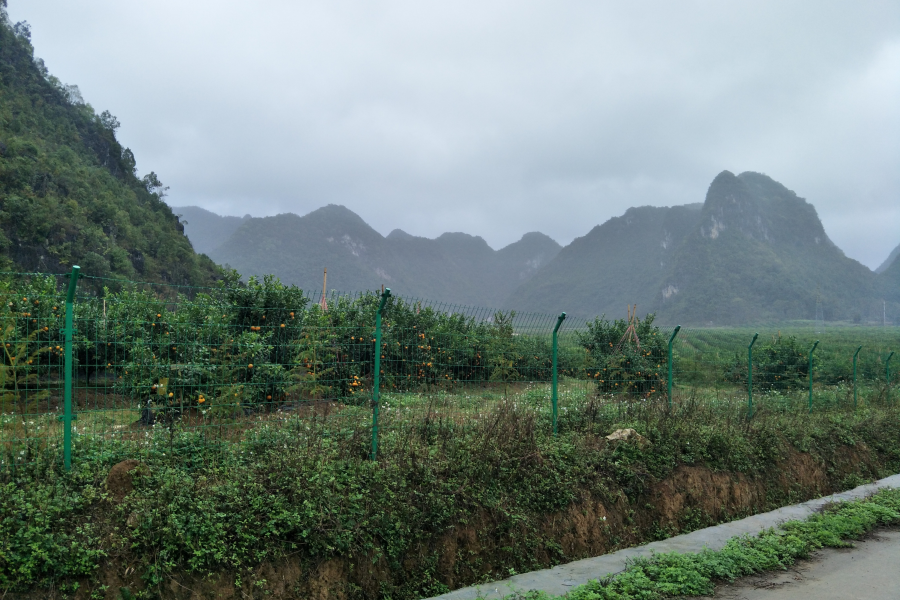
691, 497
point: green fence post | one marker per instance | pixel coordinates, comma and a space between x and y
555, 384
887, 375
67, 393
811, 350
855, 395
377, 385
750, 375
669, 378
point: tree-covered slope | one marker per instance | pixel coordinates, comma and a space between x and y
754, 251
526, 256
454, 268
621, 262
890, 260
760, 253
296, 249
889, 290
69, 193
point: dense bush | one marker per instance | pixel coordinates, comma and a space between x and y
630, 360
780, 364
263, 344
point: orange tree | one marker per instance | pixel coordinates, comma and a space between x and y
620, 363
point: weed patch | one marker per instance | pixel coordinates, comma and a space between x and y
298, 505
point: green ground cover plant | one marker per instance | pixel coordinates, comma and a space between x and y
304, 488
695, 574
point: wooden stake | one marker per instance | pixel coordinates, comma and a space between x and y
630, 331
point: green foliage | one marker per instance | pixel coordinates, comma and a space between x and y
299, 489
502, 349
28, 321
38, 544
70, 193
779, 365
262, 343
315, 354
623, 360
20, 367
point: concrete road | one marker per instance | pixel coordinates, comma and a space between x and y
870, 571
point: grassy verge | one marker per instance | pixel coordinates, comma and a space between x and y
695, 574
449, 503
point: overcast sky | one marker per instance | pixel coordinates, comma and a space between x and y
495, 118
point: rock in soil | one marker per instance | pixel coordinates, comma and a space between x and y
628, 435
120, 480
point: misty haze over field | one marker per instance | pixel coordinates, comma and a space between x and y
495, 119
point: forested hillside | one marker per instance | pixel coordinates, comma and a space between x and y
69, 191
889, 283
891, 259
753, 252
760, 253
455, 267
617, 263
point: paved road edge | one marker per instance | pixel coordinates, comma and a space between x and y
562, 578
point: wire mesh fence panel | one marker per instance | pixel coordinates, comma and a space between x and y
609, 366
576, 369
32, 317
446, 368
221, 364
784, 369
218, 368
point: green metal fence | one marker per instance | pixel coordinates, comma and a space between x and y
92, 364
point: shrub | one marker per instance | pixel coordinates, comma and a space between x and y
779, 365
625, 363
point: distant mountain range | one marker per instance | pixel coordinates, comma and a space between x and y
753, 251
454, 268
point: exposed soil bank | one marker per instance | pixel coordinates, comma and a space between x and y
689, 498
